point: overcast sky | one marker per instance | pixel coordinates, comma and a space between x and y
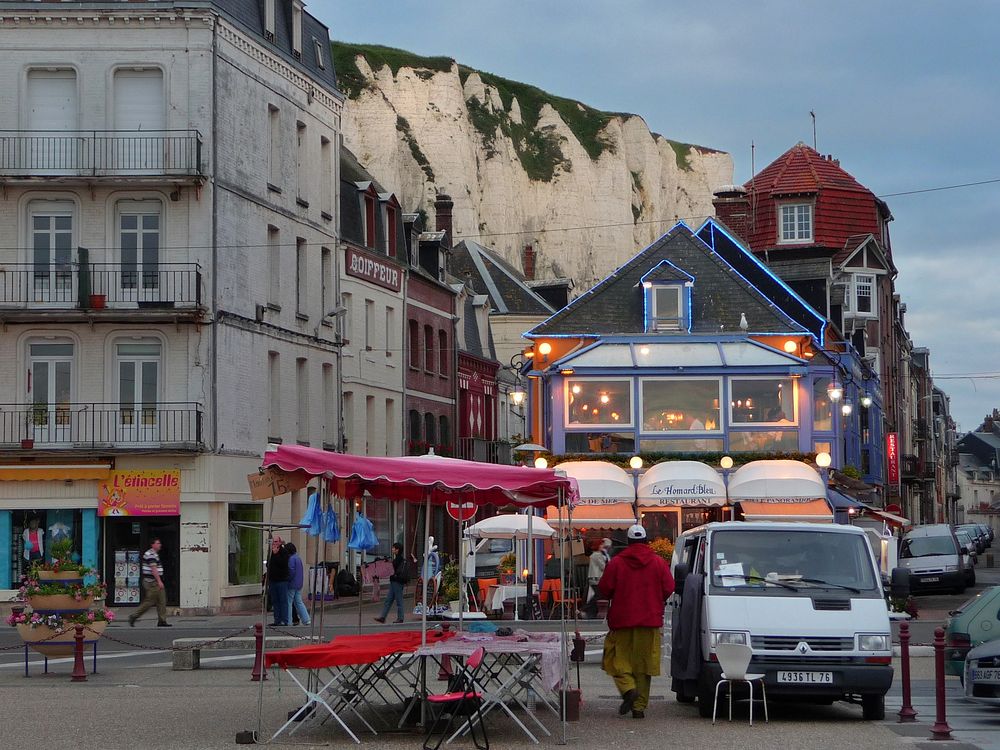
905, 95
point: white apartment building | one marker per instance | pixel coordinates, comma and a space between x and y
168, 250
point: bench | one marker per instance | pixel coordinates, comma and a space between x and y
187, 651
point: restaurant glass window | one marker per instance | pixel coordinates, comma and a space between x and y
775, 441
822, 407
674, 405
762, 401
600, 442
246, 545
682, 445
599, 402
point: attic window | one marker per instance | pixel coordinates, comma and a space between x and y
269, 20
796, 222
369, 203
667, 307
318, 48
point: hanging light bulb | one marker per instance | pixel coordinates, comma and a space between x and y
866, 400
575, 389
517, 396
847, 408
644, 350
605, 398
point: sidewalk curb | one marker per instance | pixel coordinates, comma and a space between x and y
915, 651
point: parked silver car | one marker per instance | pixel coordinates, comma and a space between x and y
981, 676
932, 554
969, 559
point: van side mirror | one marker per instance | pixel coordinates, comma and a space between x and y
680, 575
899, 588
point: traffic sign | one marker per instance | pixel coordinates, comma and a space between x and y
461, 510
893, 508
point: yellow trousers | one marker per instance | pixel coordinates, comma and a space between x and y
632, 658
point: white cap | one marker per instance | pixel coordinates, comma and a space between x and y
636, 532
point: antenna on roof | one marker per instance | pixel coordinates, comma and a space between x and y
813, 116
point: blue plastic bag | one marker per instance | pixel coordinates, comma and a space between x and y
331, 526
362, 535
313, 517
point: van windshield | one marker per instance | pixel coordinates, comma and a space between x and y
790, 561
925, 546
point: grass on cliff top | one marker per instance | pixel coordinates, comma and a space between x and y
538, 150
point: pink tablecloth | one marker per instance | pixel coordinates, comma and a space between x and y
465, 644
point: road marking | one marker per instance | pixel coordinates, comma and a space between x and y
201, 661
88, 658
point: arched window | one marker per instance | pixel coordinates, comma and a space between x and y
414, 344
443, 352
415, 425
428, 349
444, 434
430, 431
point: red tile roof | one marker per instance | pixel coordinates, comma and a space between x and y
843, 206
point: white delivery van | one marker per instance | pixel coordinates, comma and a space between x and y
807, 598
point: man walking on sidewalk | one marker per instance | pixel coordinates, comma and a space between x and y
397, 581
638, 582
152, 585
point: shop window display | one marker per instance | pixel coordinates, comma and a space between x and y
246, 546
31, 529
599, 402
675, 405
763, 401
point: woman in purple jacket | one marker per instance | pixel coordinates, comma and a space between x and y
296, 575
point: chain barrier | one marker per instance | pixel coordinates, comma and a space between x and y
193, 647
59, 634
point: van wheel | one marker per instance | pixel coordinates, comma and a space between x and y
873, 707
706, 695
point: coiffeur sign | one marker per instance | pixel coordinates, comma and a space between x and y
892, 457
154, 492
372, 269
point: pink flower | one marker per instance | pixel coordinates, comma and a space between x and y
78, 596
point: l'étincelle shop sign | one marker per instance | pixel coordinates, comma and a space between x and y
154, 492
373, 269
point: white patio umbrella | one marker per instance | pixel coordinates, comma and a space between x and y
776, 480
673, 483
509, 526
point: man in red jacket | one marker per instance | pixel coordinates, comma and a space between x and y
638, 582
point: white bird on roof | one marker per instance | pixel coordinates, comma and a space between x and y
743, 322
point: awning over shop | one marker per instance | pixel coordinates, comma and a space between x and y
39, 472
840, 501
891, 518
599, 482
612, 516
778, 479
681, 483
813, 510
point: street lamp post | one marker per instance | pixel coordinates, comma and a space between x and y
726, 462
635, 464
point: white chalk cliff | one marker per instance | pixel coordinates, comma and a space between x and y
521, 165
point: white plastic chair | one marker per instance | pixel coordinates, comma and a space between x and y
734, 658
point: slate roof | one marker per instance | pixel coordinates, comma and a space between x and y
491, 275
250, 15
667, 271
844, 207
719, 296
352, 175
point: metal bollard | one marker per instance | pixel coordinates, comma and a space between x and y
906, 712
259, 673
940, 730
79, 669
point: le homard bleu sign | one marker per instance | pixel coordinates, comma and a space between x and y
699, 493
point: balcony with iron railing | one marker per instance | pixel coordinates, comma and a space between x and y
485, 451
101, 155
95, 426
112, 291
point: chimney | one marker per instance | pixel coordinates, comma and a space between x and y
442, 213
732, 207
528, 262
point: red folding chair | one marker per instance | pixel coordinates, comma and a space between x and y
459, 704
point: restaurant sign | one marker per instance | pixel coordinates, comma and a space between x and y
689, 494
155, 492
892, 457
377, 271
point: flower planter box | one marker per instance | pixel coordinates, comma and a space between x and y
46, 604
57, 641
61, 576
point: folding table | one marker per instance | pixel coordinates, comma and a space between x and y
355, 666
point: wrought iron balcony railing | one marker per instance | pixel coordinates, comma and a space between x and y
485, 451
100, 153
95, 425
100, 285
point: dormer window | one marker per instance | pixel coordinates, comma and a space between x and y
796, 222
860, 294
666, 294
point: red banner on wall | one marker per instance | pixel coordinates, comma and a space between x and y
892, 457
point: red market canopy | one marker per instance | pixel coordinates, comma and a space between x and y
424, 478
